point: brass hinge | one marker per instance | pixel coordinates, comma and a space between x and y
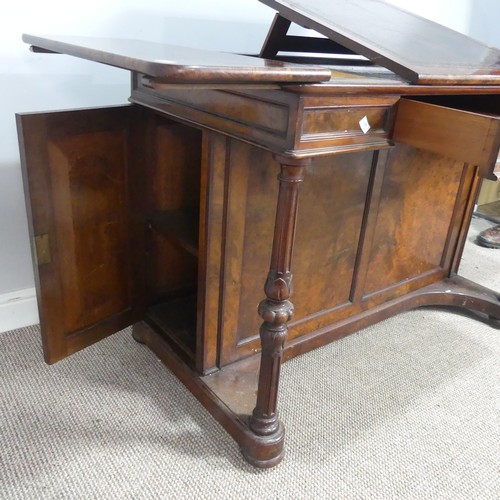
42, 247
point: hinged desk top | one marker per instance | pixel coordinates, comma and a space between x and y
415, 48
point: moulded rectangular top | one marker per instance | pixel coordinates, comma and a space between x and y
179, 65
419, 50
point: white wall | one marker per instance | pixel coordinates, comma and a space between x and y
34, 82
484, 22
452, 13
479, 19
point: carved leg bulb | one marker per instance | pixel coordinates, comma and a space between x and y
276, 310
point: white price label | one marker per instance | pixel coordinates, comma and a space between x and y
364, 124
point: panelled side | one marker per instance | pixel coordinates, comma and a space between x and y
372, 227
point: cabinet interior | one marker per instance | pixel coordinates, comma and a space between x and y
171, 225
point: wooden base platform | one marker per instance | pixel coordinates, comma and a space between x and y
230, 394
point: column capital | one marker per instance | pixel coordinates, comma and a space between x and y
292, 161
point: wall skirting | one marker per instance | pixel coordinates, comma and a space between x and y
18, 309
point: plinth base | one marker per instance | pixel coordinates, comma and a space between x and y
229, 394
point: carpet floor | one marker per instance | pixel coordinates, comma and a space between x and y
406, 409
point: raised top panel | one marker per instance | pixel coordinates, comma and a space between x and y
415, 48
173, 64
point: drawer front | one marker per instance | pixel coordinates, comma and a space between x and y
279, 120
335, 127
258, 116
454, 133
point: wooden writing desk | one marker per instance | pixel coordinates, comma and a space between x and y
166, 213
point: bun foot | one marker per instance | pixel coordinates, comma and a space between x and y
265, 451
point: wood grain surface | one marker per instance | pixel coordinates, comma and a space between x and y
415, 48
176, 64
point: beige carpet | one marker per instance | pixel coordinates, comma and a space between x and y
409, 408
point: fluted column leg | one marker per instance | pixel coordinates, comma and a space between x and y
276, 309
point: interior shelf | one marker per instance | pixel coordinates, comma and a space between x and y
176, 319
179, 226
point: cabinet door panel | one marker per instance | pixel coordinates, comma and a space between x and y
75, 170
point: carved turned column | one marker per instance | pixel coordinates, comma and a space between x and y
276, 310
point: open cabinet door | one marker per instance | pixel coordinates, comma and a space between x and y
76, 178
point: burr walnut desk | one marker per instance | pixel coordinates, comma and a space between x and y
174, 212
